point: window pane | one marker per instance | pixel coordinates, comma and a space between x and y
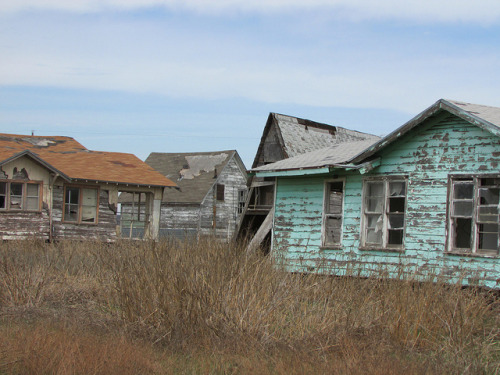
375, 189
395, 237
32, 204
72, 195
334, 204
374, 204
488, 241
3, 192
488, 196
373, 237
397, 204
396, 221
397, 188
71, 204
462, 208
488, 214
89, 205
16, 196
374, 222
333, 230
463, 190
462, 233
71, 212
32, 190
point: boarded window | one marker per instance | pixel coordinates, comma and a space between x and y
384, 213
333, 211
473, 216
80, 204
20, 196
220, 192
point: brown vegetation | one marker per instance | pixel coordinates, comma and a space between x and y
206, 307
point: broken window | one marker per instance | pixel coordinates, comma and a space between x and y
473, 215
20, 196
384, 213
242, 196
332, 218
133, 218
80, 204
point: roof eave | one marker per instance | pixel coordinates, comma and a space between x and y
441, 104
39, 160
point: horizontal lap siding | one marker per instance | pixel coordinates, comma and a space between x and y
298, 217
427, 156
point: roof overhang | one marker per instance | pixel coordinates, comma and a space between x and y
433, 110
326, 169
38, 160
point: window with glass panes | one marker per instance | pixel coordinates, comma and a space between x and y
473, 214
384, 206
80, 204
20, 196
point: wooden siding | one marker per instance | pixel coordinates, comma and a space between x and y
188, 218
104, 230
426, 156
22, 225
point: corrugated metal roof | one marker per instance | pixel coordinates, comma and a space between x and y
194, 173
69, 157
329, 156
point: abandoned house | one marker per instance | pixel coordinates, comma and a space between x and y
285, 137
424, 199
54, 188
209, 200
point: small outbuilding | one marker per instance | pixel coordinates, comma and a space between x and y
424, 200
54, 188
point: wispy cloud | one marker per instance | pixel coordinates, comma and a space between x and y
466, 11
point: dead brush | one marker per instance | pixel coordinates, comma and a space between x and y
25, 271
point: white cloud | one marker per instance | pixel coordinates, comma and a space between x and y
479, 11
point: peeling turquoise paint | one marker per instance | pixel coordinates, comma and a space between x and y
441, 145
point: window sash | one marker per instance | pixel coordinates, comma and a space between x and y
81, 205
20, 196
473, 215
384, 212
333, 213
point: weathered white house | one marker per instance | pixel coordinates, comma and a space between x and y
54, 188
209, 199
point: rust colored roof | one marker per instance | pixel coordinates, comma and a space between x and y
76, 162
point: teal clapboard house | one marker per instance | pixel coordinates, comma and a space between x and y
423, 200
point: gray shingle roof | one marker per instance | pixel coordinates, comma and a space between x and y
301, 136
483, 116
194, 173
336, 154
490, 114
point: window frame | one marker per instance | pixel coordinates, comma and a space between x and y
79, 220
474, 249
220, 191
385, 213
325, 215
24, 196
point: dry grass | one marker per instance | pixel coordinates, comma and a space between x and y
206, 307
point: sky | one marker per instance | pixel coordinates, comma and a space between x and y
143, 76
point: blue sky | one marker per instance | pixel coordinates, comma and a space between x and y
178, 76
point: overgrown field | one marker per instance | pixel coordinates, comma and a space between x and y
206, 307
